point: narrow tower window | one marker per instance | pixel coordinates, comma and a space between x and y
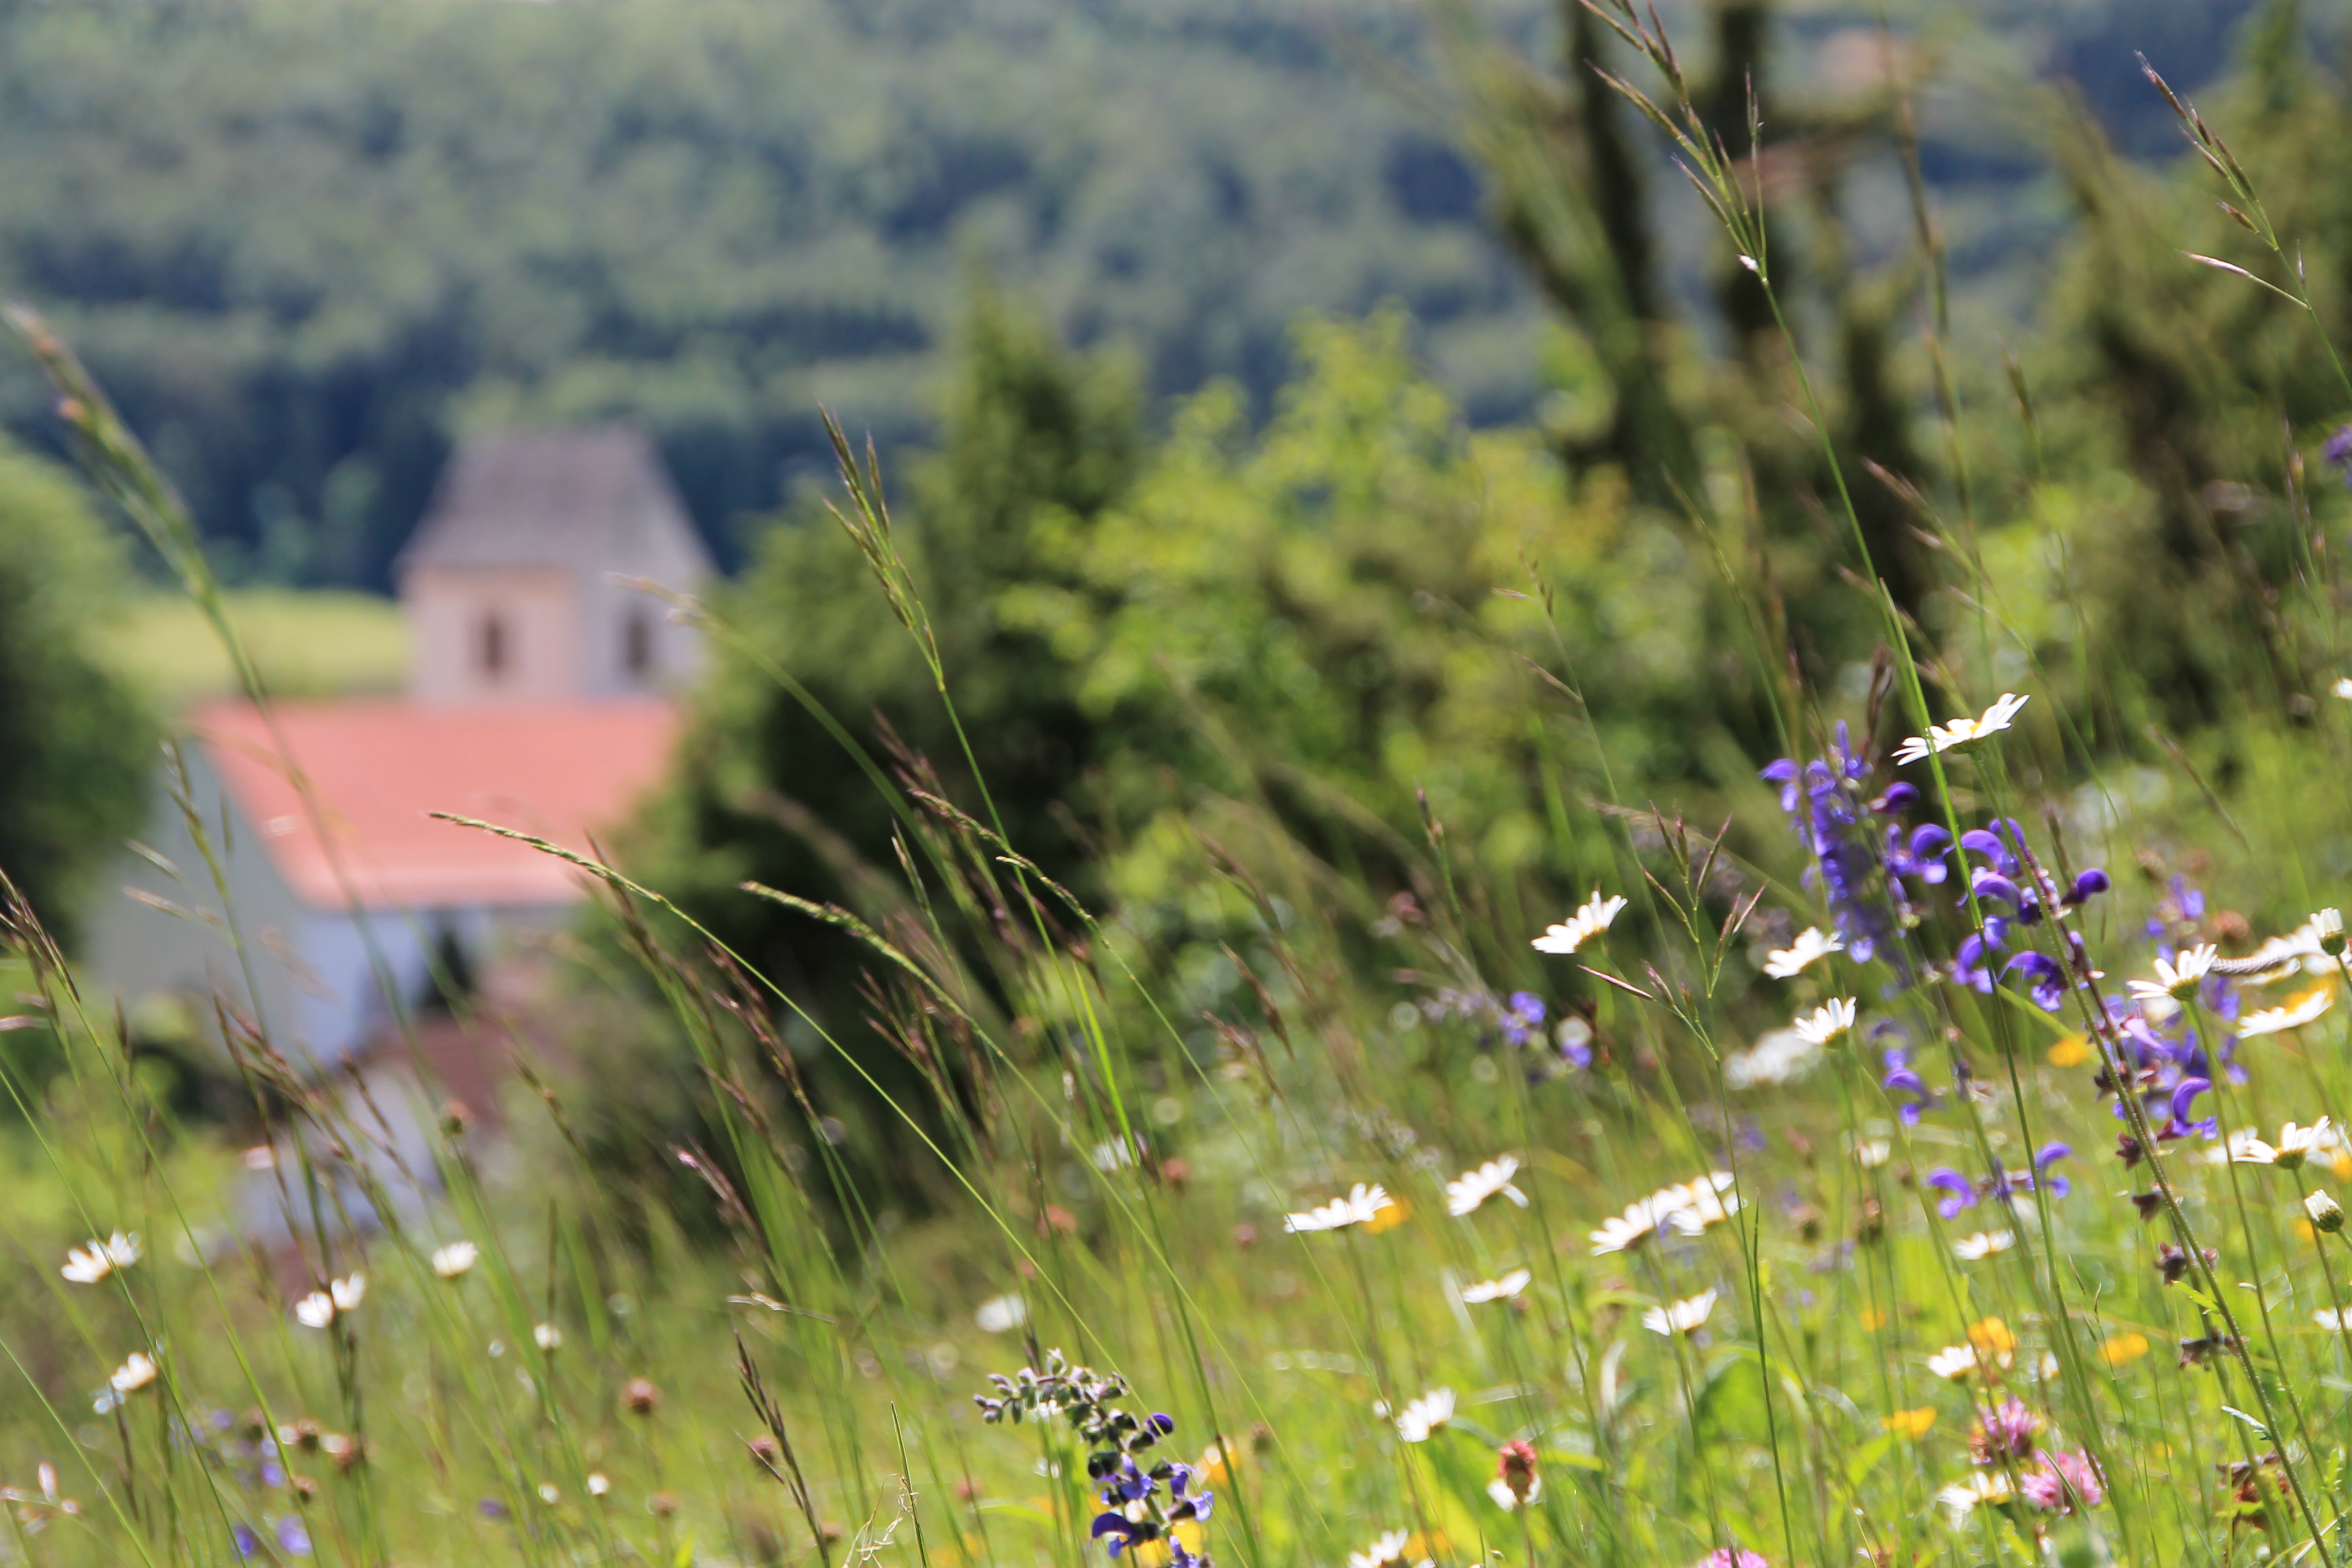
637, 644
490, 647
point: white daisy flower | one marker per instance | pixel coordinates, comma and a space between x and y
1500, 1491
133, 1375
87, 1266
1471, 1188
2295, 1145
321, 1308
1001, 1314
1825, 1022
453, 1260
2294, 1016
1681, 1317
2327, 1216
1980, 1487
1954, 1362
1711, 1202
1783, 1056
1960, 731
1384, 1552
1580, 927
2176, 981
1811, 946
1502, 1289
1421, 1417
1690, 1207
1984, 1244
1357, 1209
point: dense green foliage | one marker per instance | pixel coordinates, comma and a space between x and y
308, 241
305, 243
77, 743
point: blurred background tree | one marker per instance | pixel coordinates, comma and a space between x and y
77, 742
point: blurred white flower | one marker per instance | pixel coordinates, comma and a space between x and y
1680, 1317
598, 1483
2294, 1016
548, 1337
1984, 1244
1708, 1205
1502, 1289
1689, 1206
133, 1375
2328, 1318
1357, 1209
2344, 687
1826, 1022
1421, 1417
2176, 981
1953, 1362
1580, 927
87, 1266
1783, 1056
1388, 1551
1960, 731
1001, 1314
1471, 1188
454, 1259
1811, 946
321, 1308
1981, 1486
1871, 1154
1500, 1491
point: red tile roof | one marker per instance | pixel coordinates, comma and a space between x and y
555, 769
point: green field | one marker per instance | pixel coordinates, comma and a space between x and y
305, 644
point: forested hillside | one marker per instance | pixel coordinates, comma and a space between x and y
304, 242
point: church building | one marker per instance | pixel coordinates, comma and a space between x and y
539, 697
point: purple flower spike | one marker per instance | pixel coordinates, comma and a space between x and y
2338, 451
1968, 965
2087, 885
2042, 973
2049, 1155
2184, 1096
1963, 1192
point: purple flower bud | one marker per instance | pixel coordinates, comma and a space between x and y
2087, 885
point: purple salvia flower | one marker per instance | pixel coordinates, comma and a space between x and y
2046, 1156
2087, 885
2047, 981
1961, 1192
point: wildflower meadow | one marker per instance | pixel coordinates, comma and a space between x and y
1930, 1147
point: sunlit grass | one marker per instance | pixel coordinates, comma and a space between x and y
306, 642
